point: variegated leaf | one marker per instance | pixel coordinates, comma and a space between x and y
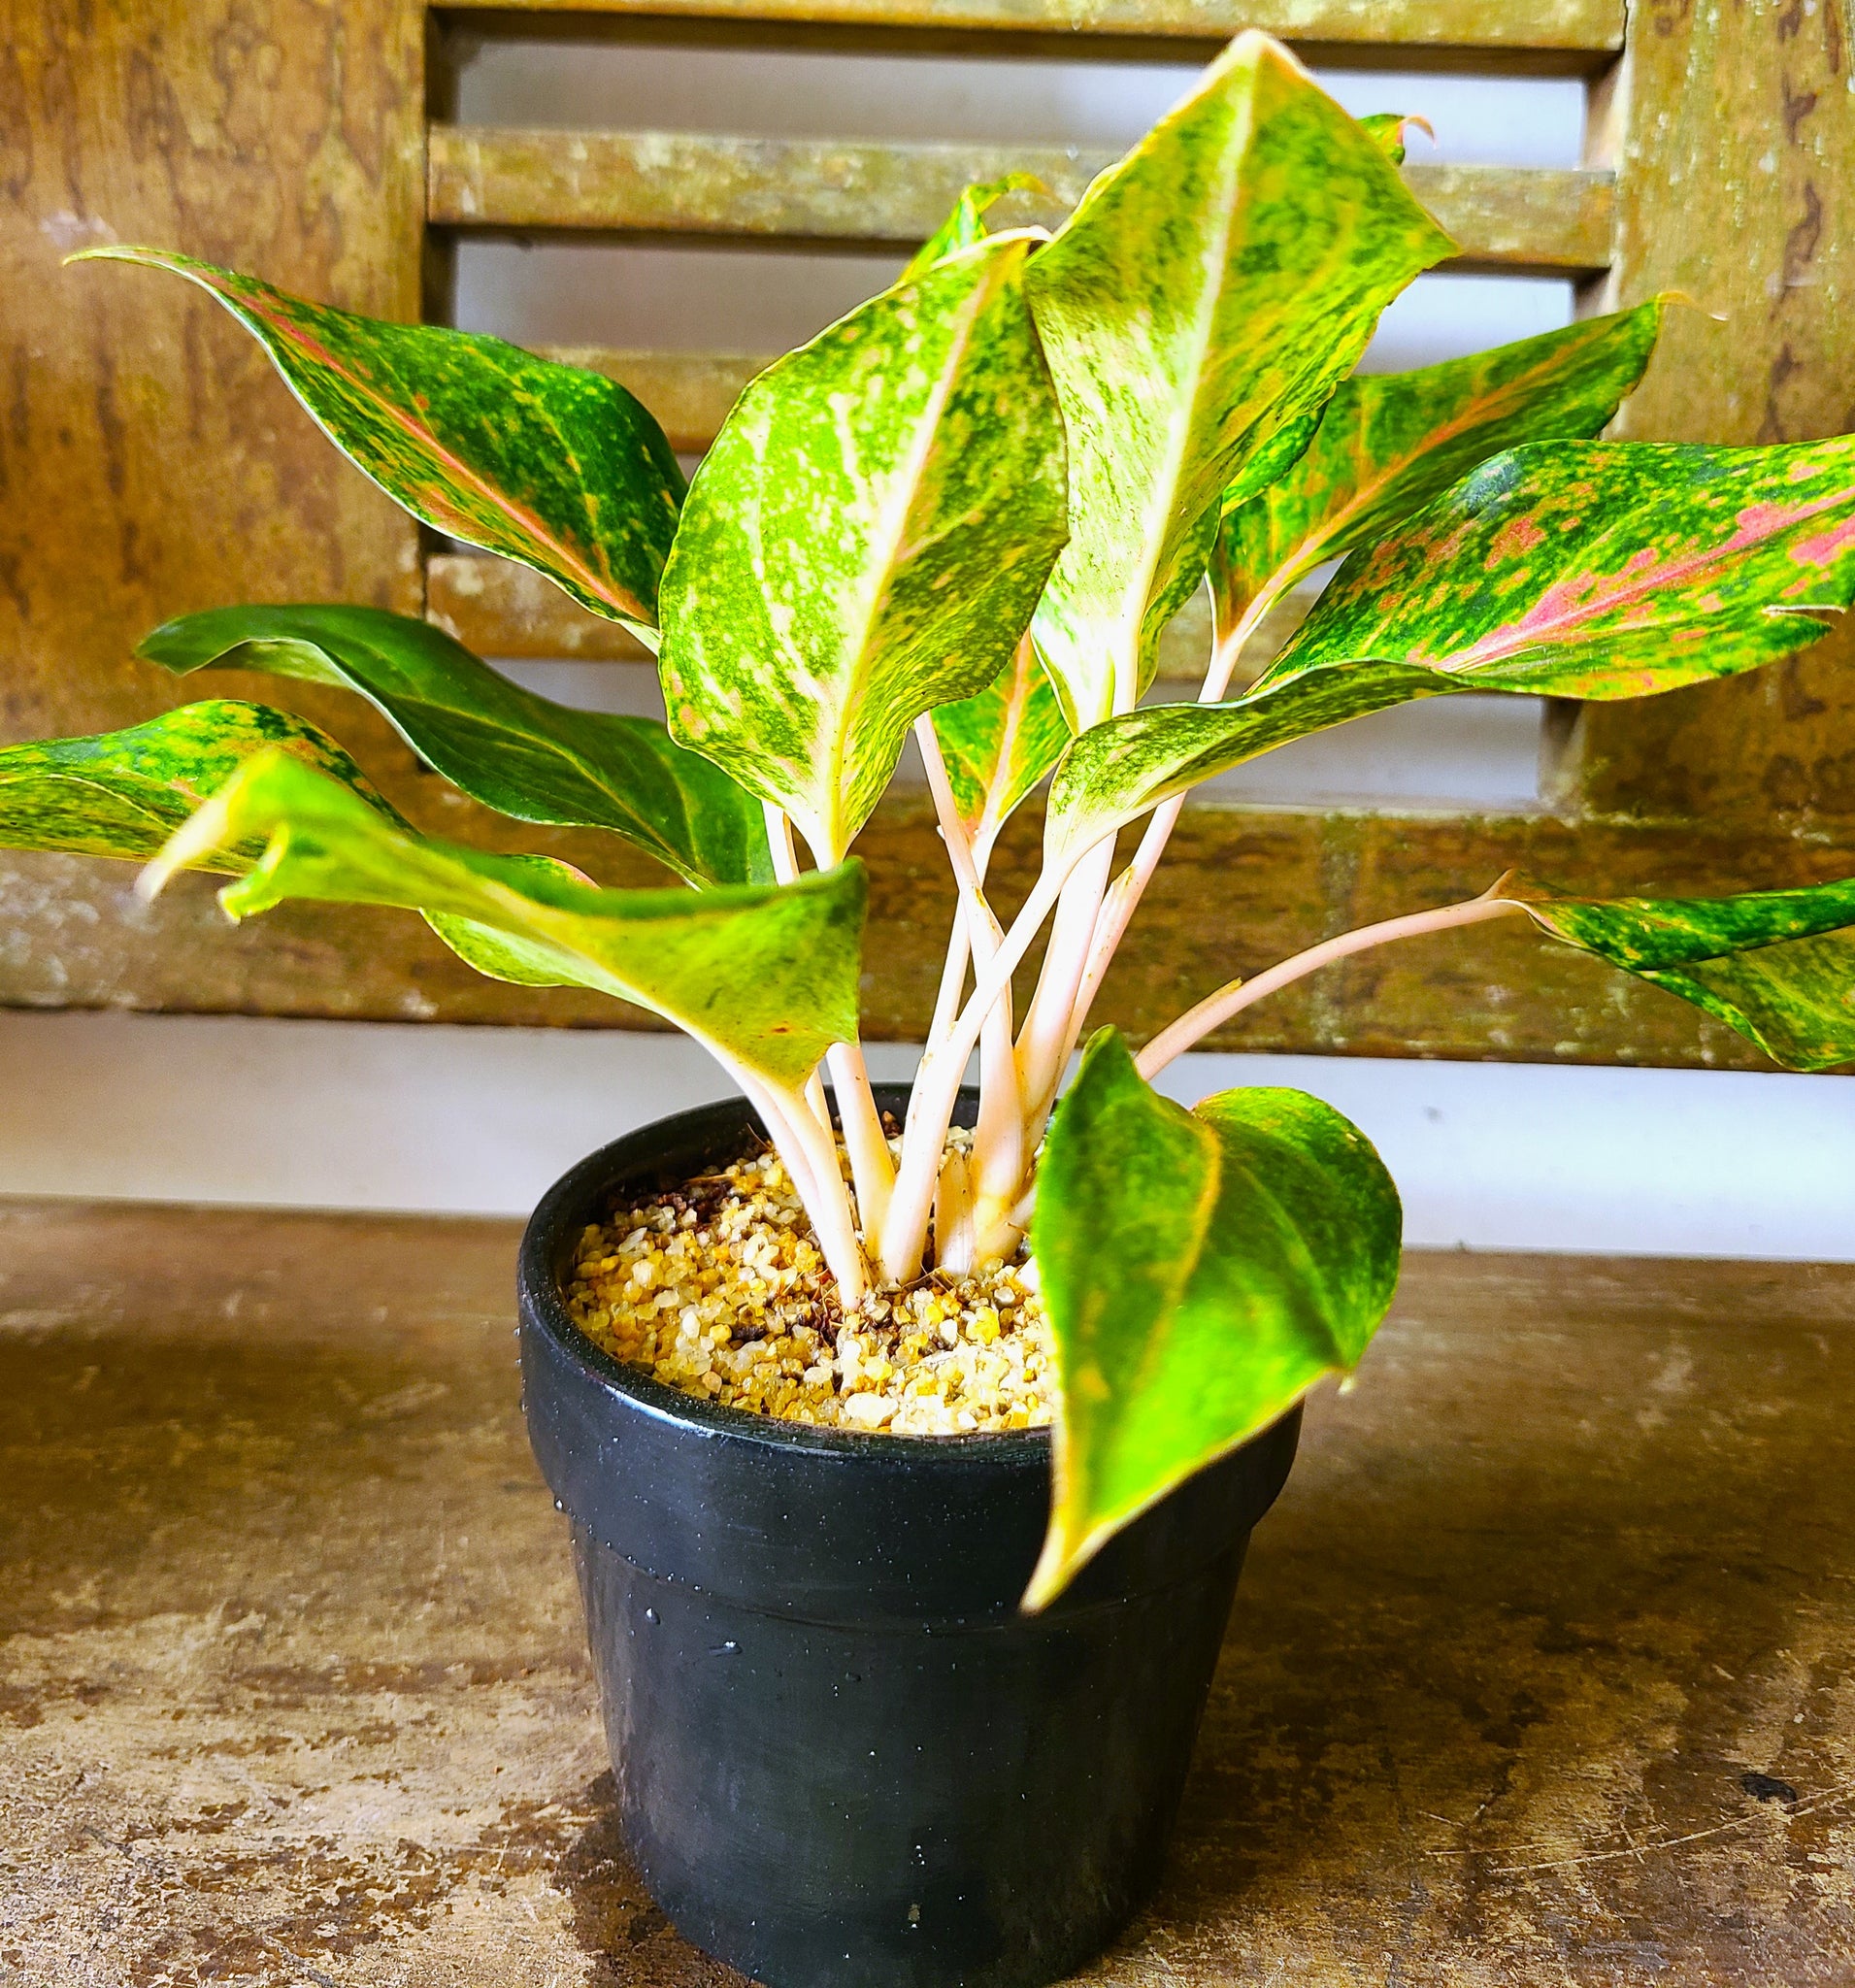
514, 750
1777, 965
123, 794
558, 468
1586, 570
866, 538
965, 226
1389, 443
1602, 570
998, 743
766, 979
1198, 308
1200, 1270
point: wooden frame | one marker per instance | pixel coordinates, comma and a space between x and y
151, 466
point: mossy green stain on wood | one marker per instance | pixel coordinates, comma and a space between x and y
507, 746
866, 538
1208, 294
559, 468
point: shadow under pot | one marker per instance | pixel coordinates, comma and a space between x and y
843, 1759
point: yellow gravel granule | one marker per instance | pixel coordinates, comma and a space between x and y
719, 1290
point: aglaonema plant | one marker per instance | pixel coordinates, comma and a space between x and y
965, 513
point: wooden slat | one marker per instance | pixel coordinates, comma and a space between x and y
823, 190
1741, 192
152, 462
1587, 29
1241, 887
500, 608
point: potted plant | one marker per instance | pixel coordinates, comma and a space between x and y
901, 1682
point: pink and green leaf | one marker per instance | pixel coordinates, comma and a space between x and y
866, 539
1573, 569
123, 794
558, 468
1390, 443
766, 977
507, 746
1602, 570
965, 226
1198, 308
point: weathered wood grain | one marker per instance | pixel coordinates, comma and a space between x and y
1519, 219
1579, 28
150, 462
1737, 188
1539, 1677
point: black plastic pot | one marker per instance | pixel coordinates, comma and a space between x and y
843, 1759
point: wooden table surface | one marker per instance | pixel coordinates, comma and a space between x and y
1543, 1671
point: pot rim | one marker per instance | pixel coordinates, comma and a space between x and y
576, 1198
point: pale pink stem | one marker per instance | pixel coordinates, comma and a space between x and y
809, 1124
946, 1003
872, 1164
937, 1085
800, 1138
1040, 1050
1232, 999
998, 1136
1130, 887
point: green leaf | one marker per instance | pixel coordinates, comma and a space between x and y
1571, 569
518, 753
501, 956
124, 793
998, 743
866, 538
965, 226
1389, 443
561, 469
766, 979
1200, 1270
1207, 294
1777, 965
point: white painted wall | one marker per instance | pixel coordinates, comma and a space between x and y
480, 1121
1488, 1156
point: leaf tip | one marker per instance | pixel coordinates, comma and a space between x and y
1048, 1579
205, 832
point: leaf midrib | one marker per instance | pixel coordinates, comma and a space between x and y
891, 530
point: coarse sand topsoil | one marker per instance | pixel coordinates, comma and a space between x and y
719, 1288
